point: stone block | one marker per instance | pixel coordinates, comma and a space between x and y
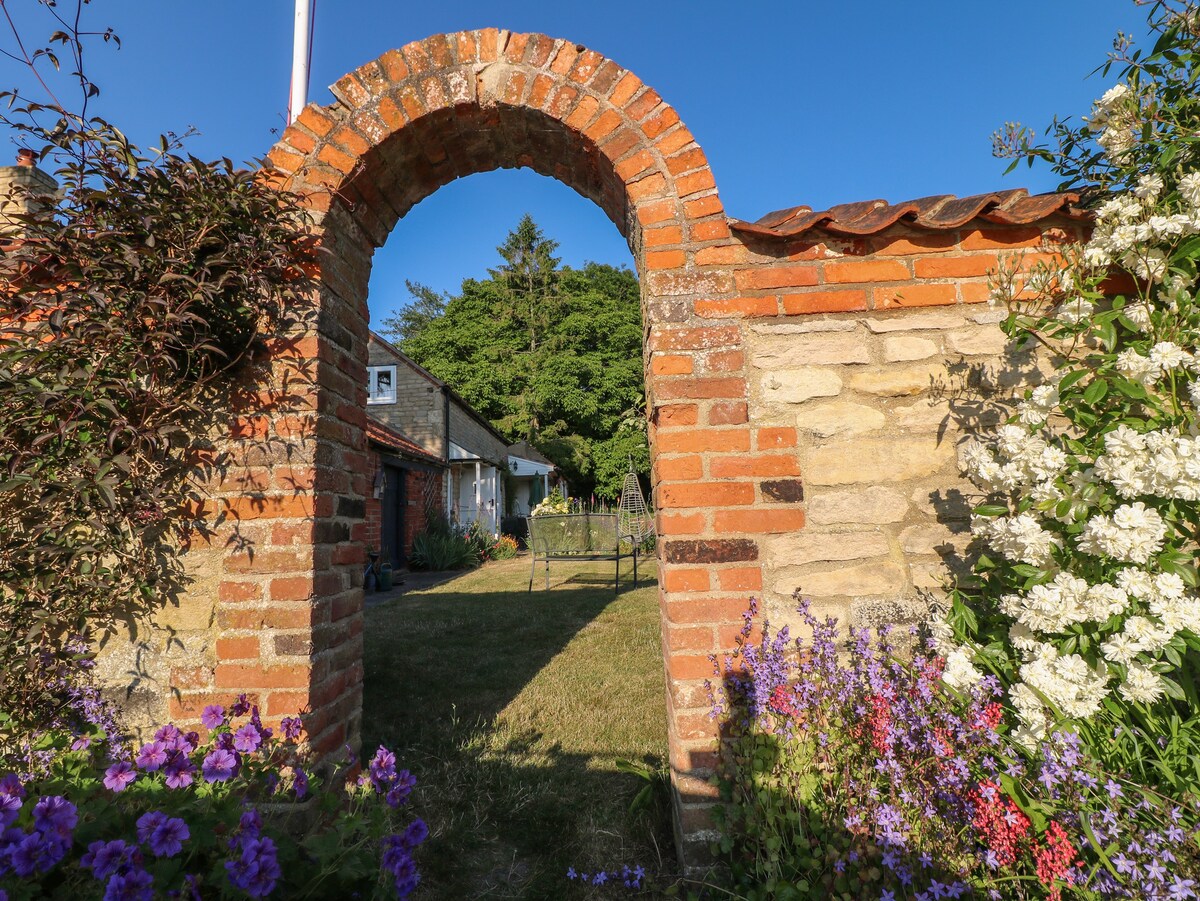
849, 461
911, 322
805, 328
900, 381
977, 340
794, 386
869, 505
905, 348
927, 539
840, 418
809, 546
863, 580
783, 351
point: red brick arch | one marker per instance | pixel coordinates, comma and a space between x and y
401, 127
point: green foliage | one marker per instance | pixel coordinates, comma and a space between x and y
439, 549
548, 354
129, 314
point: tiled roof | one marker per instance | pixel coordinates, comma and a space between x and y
393, 440
945, 211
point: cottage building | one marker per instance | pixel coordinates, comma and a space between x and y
412, 403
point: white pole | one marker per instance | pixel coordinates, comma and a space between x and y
300, 58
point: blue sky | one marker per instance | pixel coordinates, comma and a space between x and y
796, 102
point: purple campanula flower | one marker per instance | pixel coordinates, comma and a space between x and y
152, 756
219, 765
247, 739
213, 716
105, 858
119, 776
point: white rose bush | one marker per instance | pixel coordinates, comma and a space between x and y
1086, 596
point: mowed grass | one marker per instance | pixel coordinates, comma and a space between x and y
512, 709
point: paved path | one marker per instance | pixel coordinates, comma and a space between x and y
406, 581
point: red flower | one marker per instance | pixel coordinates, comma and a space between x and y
1001, 825
783, 702
1055, 860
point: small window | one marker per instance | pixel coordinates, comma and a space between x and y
381, 384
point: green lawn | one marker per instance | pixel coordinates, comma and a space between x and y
512, 709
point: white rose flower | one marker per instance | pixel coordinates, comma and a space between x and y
1142, 685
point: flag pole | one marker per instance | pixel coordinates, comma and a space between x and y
301, 58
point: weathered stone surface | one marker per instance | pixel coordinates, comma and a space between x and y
876, 612
927, 539
840, 418
930, 577
911, 322
794, 386
845, 462
907, 381
905, 348
981, 339
865, 579
783, 351
806, 328
869, 505
926, 414
811, 546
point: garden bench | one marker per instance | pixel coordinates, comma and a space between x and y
580, 536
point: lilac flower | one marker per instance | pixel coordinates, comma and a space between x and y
164, 835
247, 739
219, 765
152, 756
119, 776
213, 716
105, 858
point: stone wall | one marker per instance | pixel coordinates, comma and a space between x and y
419, 412
472, 435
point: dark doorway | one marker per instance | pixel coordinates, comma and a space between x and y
393, 502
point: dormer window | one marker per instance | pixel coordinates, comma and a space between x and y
381, 384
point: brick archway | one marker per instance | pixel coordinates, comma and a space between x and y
454, 105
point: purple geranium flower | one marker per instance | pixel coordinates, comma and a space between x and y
247, 739
240, 707
118, 776
55, 816
105, 858
300, 783
134, 884
164, 835
257, 870
152, 756
213, 716
291, 726
179, 770
219, 765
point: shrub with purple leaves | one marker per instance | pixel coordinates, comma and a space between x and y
233, 816
851, 770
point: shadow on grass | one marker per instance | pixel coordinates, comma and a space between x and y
511, 708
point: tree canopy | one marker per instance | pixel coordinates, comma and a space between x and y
547, 353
